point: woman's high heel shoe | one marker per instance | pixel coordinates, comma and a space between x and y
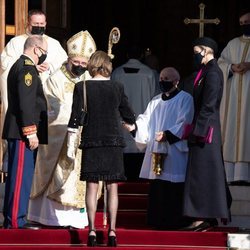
91, 239
112, 239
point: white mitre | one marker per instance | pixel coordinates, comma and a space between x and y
81, 44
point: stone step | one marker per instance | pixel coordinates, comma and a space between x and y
239, 241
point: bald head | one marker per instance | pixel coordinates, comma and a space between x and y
34, 47
169, 73
34, 41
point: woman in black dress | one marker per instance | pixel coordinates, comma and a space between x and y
102, 138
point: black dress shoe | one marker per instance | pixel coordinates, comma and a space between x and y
199, 228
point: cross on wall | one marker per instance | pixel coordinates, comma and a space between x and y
202, 21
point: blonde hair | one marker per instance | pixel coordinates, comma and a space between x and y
100, 63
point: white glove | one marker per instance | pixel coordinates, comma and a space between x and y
71, 144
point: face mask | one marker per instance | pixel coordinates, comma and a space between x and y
42, 58
165, 86
197, 60
36, 30
78, 70
245, 29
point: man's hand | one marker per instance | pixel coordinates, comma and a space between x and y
241, 68
42, 67
33, 142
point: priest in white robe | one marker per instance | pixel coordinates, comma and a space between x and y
235, 106
58, 196
13, 50
140, 86
160, 129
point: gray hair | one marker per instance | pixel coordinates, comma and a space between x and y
33, 41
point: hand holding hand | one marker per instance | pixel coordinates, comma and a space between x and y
129, 127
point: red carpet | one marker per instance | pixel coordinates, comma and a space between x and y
126, 238
132, 231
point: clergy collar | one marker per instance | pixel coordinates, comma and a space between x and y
165, 97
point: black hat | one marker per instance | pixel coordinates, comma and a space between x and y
206, 41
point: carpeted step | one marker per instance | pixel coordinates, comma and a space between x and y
125, 237
130, 219
128, 247
129, 201
139, 187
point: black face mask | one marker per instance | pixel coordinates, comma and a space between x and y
78, 70
42, 58
36, 30
245, 28
165, 86
197, 60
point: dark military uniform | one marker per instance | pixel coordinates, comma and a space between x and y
26, 115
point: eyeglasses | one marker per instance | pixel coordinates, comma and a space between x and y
42, 50
77, 63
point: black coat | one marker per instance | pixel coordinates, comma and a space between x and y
206, 190
27, 106
107, 106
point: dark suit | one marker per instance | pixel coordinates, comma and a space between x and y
26, 115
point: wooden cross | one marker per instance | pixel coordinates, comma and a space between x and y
201, 21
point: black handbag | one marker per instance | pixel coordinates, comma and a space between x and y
83, 121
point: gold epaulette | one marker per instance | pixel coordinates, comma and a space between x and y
28, 62
29, 130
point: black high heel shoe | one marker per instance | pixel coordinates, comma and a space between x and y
91, 239
112, 239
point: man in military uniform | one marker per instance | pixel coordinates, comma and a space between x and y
25, 127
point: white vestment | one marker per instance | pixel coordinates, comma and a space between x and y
235, 111
140, 86
57, 194
12, 51
173, 115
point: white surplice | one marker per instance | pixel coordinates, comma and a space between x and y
12, 51
235, 110
172, 114
140, 87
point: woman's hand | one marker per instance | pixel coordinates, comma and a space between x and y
129, 127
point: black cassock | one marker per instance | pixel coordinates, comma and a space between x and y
206, 192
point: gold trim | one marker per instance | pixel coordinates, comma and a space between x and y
239, 101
